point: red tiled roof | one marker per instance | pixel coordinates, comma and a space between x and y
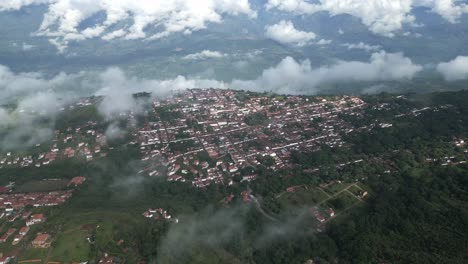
41, 238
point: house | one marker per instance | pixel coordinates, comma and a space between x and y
147, 214
245, 196
24, 230
213, 154
25, 215
4, 260
11, 231
174, 178
330, 212
76, 181
4, 238
17, 239
233, 169
42, 240
35, 219
106, 260
362, 195
320, 218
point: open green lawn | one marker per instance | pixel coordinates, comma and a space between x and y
71, 243
33, 254
336, 187
302, 197
71, 246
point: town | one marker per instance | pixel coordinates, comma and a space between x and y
210, 136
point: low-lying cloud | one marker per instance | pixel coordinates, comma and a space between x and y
454, 70
290, 76
210, 228
118, 89
31, 103
361, 46
205, 54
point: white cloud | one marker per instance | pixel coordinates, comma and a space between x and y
384, 17
6, 5
117, 89
290, 76
448, 9
63, 18
454, 70
362, 46
27, 47
206, 54
285, 32
324, 42
14, 86
35, 100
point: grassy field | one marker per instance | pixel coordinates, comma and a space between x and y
71, 246
33, 254
336, 187
43, 185
71, 243
70, 228
302, 197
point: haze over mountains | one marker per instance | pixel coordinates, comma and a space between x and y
288, 46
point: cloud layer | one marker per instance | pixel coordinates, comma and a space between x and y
128, 19
290, 76
383, 17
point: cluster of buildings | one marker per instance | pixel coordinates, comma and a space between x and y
322, 216
455, 158
22, 232
30, 219
159, 214
5, 259
106, 259
459, 142
211, 135
83, 141
15, 201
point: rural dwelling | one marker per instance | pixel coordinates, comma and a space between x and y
3, 238
5, 260
42, 240
35, 219
106, 259
17, 239
24, 230
76, 181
